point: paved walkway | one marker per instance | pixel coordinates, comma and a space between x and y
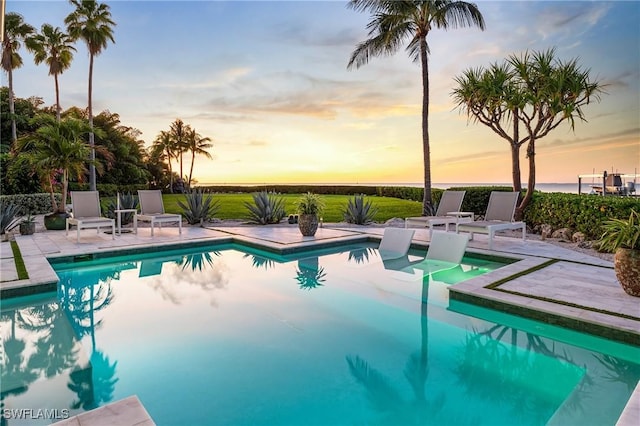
548, 282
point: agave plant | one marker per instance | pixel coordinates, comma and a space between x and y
9, 217
359, 211
198, 207
266, 208
127, 201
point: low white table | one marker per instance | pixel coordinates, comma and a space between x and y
462, 217
119, 212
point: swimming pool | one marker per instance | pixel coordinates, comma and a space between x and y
232, 335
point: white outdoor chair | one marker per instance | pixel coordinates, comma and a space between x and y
450, 202
499, 217
395, 243
445, 251
152, 210
85, 206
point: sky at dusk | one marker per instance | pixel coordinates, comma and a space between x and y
268, 82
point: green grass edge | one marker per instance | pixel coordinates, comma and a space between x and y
19, 261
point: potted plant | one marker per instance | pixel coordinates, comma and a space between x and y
623, 237
28, 225
309, 206
57, 151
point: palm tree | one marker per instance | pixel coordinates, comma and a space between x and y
162, 148
54, 47
57, 150
91, 22
15, 31
198, 146
179, 135
393, 22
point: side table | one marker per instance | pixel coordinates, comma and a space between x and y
119, 212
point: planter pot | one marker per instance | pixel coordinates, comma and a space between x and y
308, 224
56, 221
27, 228
626, 263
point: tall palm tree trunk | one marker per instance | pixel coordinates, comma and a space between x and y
14, 134
92, 166
427, 203
55, 77
193, 159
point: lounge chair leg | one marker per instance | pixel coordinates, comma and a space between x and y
180, 227
113, 231
491, 233
78, 233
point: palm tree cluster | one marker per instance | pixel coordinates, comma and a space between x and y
172, 144
90, 21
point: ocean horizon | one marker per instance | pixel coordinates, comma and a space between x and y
565, 187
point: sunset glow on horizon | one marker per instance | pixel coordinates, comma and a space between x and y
268, 83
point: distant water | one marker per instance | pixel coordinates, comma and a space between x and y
568, 188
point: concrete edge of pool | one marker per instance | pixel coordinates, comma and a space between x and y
36, 255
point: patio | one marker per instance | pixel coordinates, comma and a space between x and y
548, 283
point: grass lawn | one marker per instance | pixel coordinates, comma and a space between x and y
232, 206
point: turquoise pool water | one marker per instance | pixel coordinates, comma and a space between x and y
235, 336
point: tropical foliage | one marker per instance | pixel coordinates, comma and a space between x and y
55, 48
198, 207
359, 210
391, 24
92, 23
523, 99
310, 203
621, 233
9, 217
57, 151
266, 208
16, 31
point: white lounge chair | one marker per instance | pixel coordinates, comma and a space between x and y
448, 212
445, 251
395, 243
152, 210
499, 217
86, 213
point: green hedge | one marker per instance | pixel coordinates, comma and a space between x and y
34, 203
584, 213
108, 190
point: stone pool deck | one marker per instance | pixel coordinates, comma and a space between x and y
547, 283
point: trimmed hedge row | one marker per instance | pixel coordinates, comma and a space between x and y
31, 203
108, 190
584, 213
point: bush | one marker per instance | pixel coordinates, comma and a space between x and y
359, 211
584, 213
266, 208
309, 203
34, 203
197, 207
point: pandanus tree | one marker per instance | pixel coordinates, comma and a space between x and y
393, 22
16, 31
92, 23
523, 100
55, 48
